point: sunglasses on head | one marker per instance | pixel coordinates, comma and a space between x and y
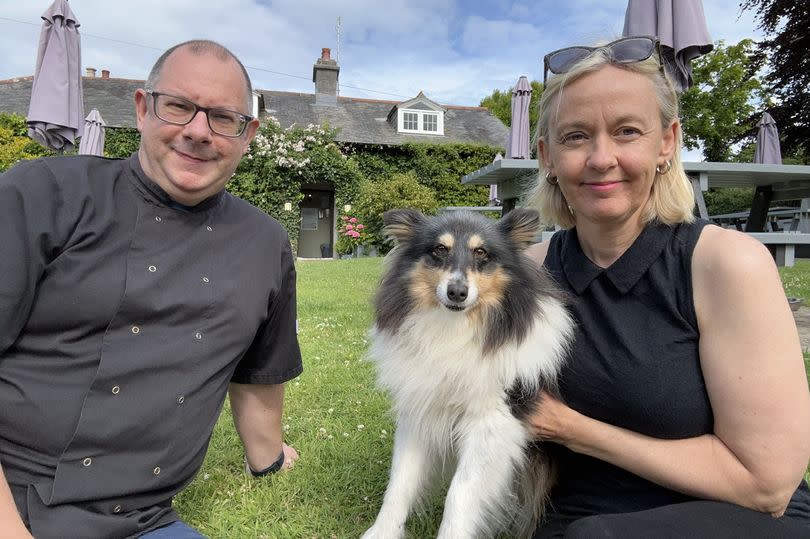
622, 51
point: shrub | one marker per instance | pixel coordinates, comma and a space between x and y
401, 191
14, 142
351, 233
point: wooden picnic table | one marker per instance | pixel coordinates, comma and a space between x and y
771, 183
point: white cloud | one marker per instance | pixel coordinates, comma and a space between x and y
456, 51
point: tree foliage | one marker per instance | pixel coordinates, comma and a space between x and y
499, 104
787, 48
718, 110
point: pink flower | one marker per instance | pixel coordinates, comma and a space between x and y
360, 227
349, 227
344, 218
354, 234
353, 220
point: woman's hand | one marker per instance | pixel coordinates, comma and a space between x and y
553, 421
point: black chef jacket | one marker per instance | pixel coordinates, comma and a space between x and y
122, 320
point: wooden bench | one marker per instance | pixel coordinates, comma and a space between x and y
784, 244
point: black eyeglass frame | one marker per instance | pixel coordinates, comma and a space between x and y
655, 48
197, 108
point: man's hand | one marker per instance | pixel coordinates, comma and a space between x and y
290, 456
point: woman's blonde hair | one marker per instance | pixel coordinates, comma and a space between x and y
671, 201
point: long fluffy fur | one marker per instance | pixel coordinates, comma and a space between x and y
463, 371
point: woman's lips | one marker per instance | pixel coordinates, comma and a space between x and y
602, 186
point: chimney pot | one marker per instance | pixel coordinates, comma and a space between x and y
326, 53
91, 72
105, 73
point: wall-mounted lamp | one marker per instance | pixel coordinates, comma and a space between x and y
288, 206
347, 208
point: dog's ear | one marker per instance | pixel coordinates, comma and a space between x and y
401, 223
522, 225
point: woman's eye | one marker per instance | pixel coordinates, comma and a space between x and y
573, 137
628, 132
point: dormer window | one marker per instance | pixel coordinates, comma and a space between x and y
421, 121
419, 116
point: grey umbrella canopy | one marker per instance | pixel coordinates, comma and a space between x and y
680, 26
92, 142
768, 151
56, 112
517, 146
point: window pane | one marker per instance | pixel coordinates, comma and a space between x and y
410, 121
430, 122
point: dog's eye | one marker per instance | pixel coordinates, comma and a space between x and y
440, 250
480, 252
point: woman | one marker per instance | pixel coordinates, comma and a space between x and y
687, 411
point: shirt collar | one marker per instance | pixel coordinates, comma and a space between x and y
154, 192
626, 271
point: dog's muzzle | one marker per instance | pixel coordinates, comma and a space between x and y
457, 292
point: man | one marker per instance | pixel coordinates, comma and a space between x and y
132, 293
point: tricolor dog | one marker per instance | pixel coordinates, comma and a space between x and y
467, 331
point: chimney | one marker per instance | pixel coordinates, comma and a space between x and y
325, 76
105, 73
91, 72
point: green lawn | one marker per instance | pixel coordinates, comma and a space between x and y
339, 423
335, 418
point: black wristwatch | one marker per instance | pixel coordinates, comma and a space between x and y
273, 468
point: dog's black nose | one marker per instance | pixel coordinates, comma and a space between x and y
457, 292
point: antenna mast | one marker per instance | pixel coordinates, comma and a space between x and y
337, 56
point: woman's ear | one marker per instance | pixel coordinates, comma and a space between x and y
542, 155
669, 139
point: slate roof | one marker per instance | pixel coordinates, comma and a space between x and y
358, 120
114, 98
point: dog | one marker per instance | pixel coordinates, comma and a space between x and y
467, 331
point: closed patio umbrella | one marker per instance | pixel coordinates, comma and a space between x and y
768, 150
92, 142
493, 187
56, 112
517, 146
680, 26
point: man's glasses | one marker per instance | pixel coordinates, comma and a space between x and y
622, 51
180, 111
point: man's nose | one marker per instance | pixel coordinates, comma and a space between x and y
198, 127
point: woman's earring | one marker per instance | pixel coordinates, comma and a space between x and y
667, 168
551, 180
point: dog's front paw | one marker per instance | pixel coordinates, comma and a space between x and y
378, 531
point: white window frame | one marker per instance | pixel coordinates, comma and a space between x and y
420, 115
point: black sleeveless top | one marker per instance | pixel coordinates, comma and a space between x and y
634, 363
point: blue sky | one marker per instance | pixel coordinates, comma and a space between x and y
456, 51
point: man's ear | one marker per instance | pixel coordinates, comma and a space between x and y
250, 133
141, 98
